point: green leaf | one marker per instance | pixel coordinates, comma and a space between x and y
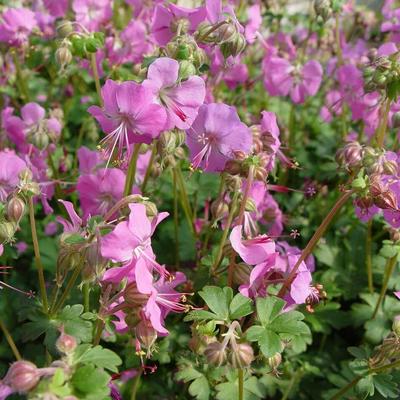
89, 380
365, 387
254, 333
240, 307
268, 308
100, 357
217, 300
270, 343
70, 319
200, 388
198, 315
385, 385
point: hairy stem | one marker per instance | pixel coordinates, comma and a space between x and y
176, 217
241, 384
389, 268
249, 182
149, 167
96, 77
10, 341
130, 176
314, 240
381, 130
225, 233
136, 384
368, 257
38, 260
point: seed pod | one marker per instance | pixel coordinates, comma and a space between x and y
15, 209
215, 353
22, 376
242, 356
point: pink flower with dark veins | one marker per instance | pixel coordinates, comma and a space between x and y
181, 99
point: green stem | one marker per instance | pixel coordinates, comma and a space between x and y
130, 176
86, 297
96, 77
390, 264
149, 167
249, 182
368, 257
225, 233
10, 341
337, 39
69, 287
176, 217
21, 82
292, 382
99, 330
314, 240
377, 370
38, 260
136, 384
381, 130
241, 384
187, 209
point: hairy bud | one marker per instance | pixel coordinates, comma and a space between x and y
146, 334
7, 231
66, 344
22, 376
215, 353
242, 356
275, 361
63, 56
133, 297
15, 209
323, 9
234, 47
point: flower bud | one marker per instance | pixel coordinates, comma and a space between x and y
353, 153
201, 34
219, 209
186, 70
180, 25
151, 209
323, 9
233, 167
199, 57
133, 297
242, 356
233, 183
7, 231
275, 361
396, 119
250, 205
390, 167
22, 376
15, 209
66, 344
215, 353
64, 28
241, 273
226, 32
396, 325
146, 334
63, 56
234, 47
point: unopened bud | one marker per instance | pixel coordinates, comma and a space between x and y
66, 344
396, 325
242, 356
234, 47
323, 9
7, 231
233, 182
63, 56
250, 205
233, 167
133, 297
15, 209
390, 167
275, 361
180, 25
186, 69
151, 209
216, 353
226, 32
22, 376
241, 273
64, 28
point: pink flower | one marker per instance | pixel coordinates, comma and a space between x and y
215, 135
181, 100
98, 192
131, 240
252, 251
57, 8
17, 25
253, 23
10, 168
74, 225
128, 116
167, 17
281, 78
92, 14
88, 160
162, 297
